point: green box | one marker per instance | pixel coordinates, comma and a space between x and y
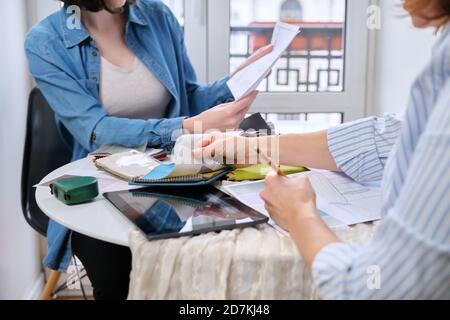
75, 190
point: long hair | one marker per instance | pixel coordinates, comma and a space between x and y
92, 5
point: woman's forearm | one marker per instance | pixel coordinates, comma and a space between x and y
309, 150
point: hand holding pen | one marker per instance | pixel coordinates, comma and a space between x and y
269, 161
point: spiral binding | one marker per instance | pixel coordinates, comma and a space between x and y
191, 178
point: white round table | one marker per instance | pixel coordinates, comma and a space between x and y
97, 219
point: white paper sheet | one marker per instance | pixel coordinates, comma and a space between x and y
345, 199
248, 79
340, 200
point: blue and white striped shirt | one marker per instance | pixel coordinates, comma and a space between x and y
409, 255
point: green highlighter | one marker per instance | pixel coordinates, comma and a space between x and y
75, 190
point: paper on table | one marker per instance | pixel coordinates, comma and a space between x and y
248, 79
248, 193
346, 199
47, 183
340, 200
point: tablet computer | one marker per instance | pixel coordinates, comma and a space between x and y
162, 213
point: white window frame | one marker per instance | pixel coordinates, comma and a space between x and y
207, 37
196, 35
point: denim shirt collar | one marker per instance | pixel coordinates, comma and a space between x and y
75, 34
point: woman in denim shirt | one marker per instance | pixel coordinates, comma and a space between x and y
84, 47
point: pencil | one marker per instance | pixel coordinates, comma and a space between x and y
269, 161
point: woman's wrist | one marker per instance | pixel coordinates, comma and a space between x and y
300, 215
311, 234
306, 211
188, 125
264, 145
250, 148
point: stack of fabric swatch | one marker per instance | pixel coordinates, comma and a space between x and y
259, 171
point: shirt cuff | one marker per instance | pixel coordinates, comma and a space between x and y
171, 129
224, 91
354, 150
330, 270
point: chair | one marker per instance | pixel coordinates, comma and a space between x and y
44, 152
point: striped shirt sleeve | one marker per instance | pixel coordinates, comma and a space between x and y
409, 256
361, 148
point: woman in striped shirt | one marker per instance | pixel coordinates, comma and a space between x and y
409, 157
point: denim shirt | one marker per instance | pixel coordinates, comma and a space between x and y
65, 62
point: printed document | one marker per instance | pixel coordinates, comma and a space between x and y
249, 79
340, 200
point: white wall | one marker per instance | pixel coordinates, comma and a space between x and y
39, 9
401, 52
20, 271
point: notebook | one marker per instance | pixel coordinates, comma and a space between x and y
128, 165
139, 168
180, 175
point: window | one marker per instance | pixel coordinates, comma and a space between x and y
302, 122
321, 76
319, 82
315, 60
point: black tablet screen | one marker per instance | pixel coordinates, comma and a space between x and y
172, 212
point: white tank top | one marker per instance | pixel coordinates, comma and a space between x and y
135, 93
